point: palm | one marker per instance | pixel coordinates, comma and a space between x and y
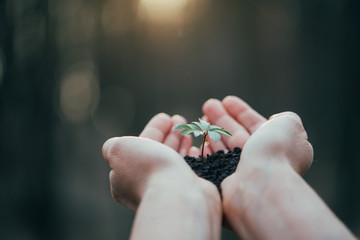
148, 173
237, 117
283, 135
156, 152
159, 129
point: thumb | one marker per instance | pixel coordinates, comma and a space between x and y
290, 126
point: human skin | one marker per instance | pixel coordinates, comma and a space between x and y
148, 175
266, 198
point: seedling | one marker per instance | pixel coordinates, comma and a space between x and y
202, 128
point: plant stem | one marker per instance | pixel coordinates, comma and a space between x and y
202, 149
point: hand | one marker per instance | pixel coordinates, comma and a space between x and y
159, 129
259, 139
266, 197
281, 137
149, 174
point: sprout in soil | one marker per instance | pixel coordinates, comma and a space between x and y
202, 128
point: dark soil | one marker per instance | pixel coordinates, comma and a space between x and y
215, 167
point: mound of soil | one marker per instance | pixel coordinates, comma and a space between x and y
215, 167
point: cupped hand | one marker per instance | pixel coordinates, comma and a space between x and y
149, 175
281, 137
154, 159
282, 140
279, 141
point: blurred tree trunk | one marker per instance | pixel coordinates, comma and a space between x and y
26, 120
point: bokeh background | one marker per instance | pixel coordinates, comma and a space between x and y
76, 72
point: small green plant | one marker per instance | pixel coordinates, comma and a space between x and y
202, 128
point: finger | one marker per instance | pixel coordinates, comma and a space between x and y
205, 118
173, 139
243, 113
288, 114
128, 156
107, 150
158, 127
217, 146
289, 125
194, 152
293, 116
307, 154
185, 146
216, 113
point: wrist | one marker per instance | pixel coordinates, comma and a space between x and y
263, 160
185, 188
275, 201
254, 185
175, 196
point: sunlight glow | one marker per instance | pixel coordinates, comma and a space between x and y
162, 10
79, 94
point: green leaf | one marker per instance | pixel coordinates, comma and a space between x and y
222, 131
198, 133
204, 125
212, 127
197, 124
201, 128
180, 126
186, 132
215, 129
194, 126
215, 136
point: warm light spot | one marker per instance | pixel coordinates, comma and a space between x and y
162, 10
78, 95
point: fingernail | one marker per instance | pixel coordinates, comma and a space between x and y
163, 114
227, 98
211, 100
177, 116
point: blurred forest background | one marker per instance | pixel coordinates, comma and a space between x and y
75, 72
